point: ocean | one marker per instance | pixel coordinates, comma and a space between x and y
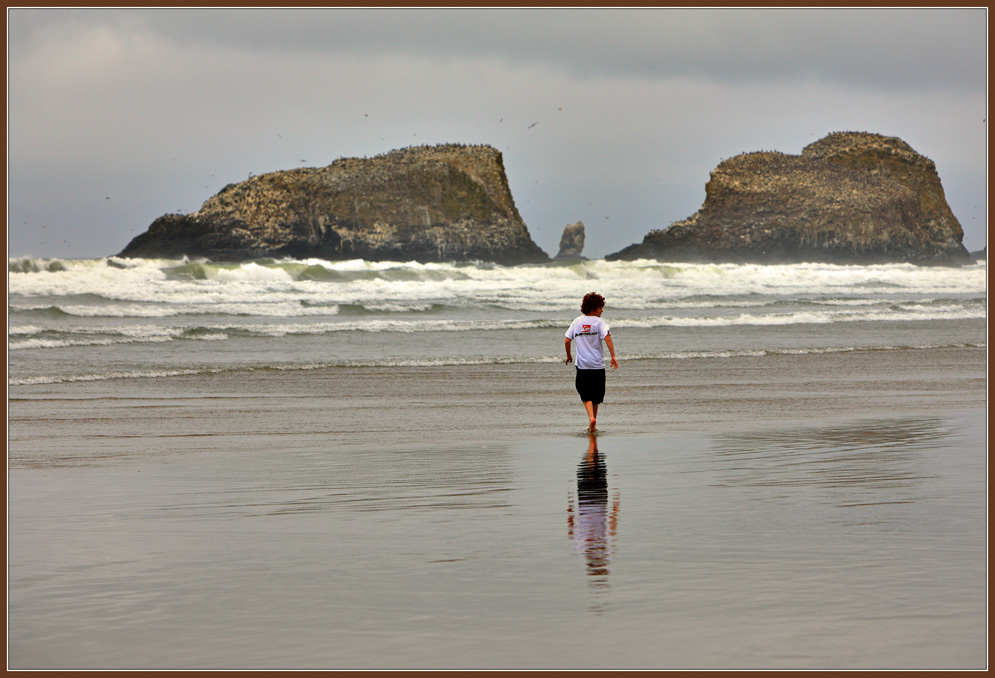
359, 465
111, 318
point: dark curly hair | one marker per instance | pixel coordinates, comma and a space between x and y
592, 302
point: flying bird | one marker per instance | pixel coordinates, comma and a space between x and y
532, 125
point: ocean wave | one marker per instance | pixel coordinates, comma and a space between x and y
107, 376
24, 329
635, 285
283, 309
894, 314
66, 343
39, 338
32, 336
463, 362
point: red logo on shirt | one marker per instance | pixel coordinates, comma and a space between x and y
585, 328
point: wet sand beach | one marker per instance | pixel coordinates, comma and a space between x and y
770, 511
424, 406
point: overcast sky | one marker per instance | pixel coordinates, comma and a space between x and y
611, 117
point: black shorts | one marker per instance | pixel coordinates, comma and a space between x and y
591, 385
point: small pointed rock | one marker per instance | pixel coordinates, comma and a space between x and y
571, 242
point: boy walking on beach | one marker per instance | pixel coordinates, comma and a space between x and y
589, 330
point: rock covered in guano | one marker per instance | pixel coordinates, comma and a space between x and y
851, 197
448, 202
571, 242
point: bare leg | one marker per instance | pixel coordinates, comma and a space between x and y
592, 414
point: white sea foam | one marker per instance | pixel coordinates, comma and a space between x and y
899, 314
95, 341
846, 302
461, 362
253, 273
66, 343
24, 329
627, 285
58, 343
72, 378
284, 309
896, 314
397, 308
36, 337
108, 336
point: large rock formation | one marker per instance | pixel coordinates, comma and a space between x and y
430, 203
571, 242
848, 198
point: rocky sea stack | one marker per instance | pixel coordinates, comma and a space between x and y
851, 197
571, 242
429, 203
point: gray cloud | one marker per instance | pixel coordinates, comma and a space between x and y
882, 48
157, 109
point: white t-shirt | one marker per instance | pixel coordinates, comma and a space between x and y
586, 333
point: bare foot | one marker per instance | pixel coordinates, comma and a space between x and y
592, 428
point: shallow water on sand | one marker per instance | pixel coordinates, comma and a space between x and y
833, 544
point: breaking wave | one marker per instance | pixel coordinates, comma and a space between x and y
160, 288
457, 362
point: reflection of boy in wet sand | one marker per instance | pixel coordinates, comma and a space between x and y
589, 330
593, 528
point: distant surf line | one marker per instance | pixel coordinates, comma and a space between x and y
465, 362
